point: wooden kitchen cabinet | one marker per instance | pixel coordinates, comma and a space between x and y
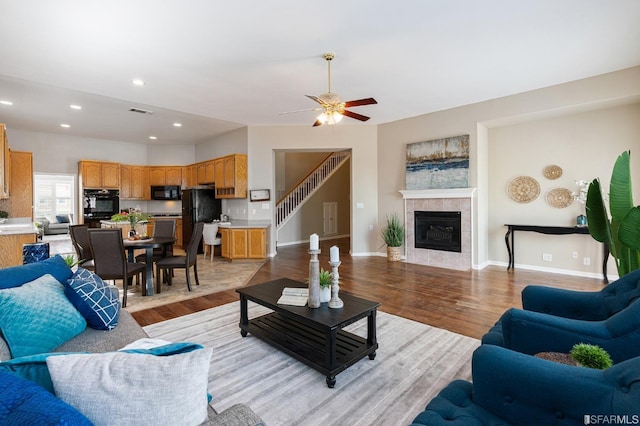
11, 248
99, 175
157, 176
165, 175
5, 168
231, 176
134, 183
206, 172
189, 176
243, 243
173, 175
21, 184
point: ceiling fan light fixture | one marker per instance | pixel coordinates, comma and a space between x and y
330, 118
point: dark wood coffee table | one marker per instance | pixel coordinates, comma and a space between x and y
313, 336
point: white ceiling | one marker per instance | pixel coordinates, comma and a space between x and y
216, 65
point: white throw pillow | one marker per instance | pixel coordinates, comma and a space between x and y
128, 388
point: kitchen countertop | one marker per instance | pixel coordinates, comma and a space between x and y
241, 223
18, 225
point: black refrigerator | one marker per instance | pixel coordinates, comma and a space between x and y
198, 205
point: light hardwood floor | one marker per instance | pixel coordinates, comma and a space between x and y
468, 302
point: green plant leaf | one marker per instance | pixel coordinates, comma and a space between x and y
393, 233
597, 216
629, 230
629, 233
620, 195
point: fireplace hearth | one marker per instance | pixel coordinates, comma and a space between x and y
438, 230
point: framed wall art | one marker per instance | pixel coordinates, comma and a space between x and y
438, 164
259, 195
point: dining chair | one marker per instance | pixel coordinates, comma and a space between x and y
210, 238
80, 239
190, 258
161, 228
111, 262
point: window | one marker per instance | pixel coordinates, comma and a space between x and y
54, 194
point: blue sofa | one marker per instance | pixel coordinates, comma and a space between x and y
583, 305
25, 400
554, 320
510, 388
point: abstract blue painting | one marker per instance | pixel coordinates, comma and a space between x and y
438, 164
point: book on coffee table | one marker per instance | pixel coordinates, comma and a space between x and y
294, 296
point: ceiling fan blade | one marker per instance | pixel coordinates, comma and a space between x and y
317, 99
354, 115
367, 101
299, 110
317, 123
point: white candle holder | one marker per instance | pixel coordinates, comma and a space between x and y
335, 301
314, 279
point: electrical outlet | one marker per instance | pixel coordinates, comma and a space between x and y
370, 227
574, 255
547, 257
586, 260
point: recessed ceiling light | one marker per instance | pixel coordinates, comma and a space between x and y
66, 126
6, 103
153, 138
137, 82
75, 107
177, 125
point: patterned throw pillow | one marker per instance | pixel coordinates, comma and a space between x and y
97, 303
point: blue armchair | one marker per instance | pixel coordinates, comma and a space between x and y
511, 388
532, 332
583, 305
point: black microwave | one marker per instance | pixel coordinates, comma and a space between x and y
165, 192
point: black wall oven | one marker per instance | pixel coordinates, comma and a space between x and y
100, 204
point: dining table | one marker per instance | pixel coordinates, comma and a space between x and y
148, 244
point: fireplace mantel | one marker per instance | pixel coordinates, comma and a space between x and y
455, 199
438, 193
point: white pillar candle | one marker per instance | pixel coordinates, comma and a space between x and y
314, 242
335, 254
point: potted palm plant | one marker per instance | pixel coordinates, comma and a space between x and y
393, 236
622, 231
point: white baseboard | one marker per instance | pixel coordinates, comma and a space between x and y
556, 271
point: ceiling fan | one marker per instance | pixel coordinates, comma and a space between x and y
331, 104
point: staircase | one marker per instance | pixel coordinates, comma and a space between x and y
294, 199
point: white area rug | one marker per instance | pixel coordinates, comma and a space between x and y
413, 363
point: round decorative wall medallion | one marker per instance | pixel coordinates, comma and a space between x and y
552, 172
523, 189
559, 198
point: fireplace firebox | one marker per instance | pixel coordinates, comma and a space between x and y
438, 230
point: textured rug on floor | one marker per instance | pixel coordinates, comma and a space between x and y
217, 275
413, 363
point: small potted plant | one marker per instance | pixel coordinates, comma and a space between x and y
591, 356
326, 278
393, 236
134, 219
70, 260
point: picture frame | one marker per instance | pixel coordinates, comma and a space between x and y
259, 195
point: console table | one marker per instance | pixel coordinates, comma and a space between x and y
550, 230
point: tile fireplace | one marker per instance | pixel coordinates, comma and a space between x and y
447, 208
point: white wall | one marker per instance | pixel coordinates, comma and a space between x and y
585, 146
53, 153
601, 92
309, 219
361, 139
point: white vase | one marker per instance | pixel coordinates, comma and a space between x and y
325, 294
